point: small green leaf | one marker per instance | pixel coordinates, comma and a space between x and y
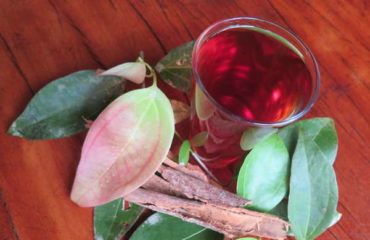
200, 139
58, 109
184, 152
175, 67
263, 177
313, 194
160, 226
320, 130
254, 135
111, 222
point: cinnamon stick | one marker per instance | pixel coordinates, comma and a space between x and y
160, 185
194, 188
232, 222
188, 169
187, 193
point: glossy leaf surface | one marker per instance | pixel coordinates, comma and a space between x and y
175, 68
313, 195
59, 108
160, 226
263, 177
184, 153
111, 222
254, 135
320, 130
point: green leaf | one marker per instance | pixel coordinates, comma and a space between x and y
313, 194
184, 152
111, 222
320, 130
254, 135
281, 210
58, 109
200, 139
124, 147
160, 226
336, 217
263, 177
175, 67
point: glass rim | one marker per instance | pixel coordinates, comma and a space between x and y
283, 122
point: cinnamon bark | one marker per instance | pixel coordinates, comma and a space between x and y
194, 188
187, 194
160, 185
189, 169
231, 221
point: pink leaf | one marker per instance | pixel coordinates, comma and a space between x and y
124, 147
132, 71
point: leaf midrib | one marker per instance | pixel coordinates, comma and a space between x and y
127, 143
115, 217
52, 114
194, 234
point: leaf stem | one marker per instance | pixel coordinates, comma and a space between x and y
205, 168
178, 135
151, 71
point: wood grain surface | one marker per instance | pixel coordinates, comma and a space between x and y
41, 40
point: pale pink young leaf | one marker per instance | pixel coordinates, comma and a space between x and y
132, 71
124, 147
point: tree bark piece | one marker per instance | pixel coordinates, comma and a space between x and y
188, 169
160, 185
187, 193
231, 221
194, 188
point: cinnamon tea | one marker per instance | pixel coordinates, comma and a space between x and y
248, 75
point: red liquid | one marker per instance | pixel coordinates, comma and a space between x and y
253, 76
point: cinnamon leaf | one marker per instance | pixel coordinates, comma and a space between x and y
132, 71
321, 131
313, 195
263, 177
160, 226
124, 147
254, 135
58, 109
111, 222
175, 67
184, 153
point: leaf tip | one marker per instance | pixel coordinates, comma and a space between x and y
78, 199
159, 67
13, 130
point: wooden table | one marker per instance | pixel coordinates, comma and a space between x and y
41, 40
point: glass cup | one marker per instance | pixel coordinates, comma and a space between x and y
247, 72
